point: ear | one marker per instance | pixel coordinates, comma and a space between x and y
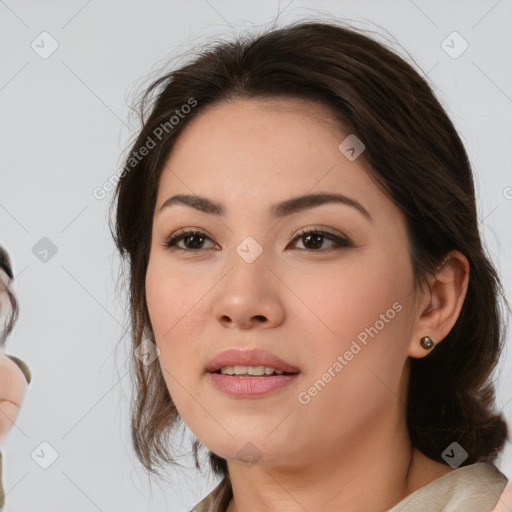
439, 306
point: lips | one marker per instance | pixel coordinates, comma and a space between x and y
249, 357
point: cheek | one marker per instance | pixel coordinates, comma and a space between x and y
174, 309
343, 300
358, 310
172, 298
363, 310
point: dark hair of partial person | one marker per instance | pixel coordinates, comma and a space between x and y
413, 152
5, 265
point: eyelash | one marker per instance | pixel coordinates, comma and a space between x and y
341, 242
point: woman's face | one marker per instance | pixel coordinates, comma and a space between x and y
340, 313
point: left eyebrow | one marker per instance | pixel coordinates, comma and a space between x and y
279, 210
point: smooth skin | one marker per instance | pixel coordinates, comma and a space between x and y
348, 448
13, 384
505, 503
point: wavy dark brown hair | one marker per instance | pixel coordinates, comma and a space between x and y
413, 152
11, 318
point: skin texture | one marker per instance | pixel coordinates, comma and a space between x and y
14, 373
304, 306
505, 503
13, 383
13, 386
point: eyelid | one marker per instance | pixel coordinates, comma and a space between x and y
317, 229
341, 240
178, 235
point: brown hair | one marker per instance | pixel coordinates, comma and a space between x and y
414, 154
5, 330
5, 265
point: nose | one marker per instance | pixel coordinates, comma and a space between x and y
249, 296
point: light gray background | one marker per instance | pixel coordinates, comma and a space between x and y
64, 124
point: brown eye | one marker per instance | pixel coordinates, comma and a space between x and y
313, 240
193, 240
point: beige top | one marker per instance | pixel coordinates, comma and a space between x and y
473, 488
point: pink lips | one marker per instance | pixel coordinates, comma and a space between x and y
248, 357
249, 386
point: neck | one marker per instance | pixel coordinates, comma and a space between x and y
372, 473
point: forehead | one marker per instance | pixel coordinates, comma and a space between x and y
238, 118
268, 150
258, 139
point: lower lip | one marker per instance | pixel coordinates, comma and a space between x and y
246, 387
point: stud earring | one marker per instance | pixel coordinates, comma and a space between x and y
427, 342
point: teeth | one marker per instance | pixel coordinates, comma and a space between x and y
249, 370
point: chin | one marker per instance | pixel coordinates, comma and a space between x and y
250, 449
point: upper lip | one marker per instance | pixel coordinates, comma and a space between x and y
249, 357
